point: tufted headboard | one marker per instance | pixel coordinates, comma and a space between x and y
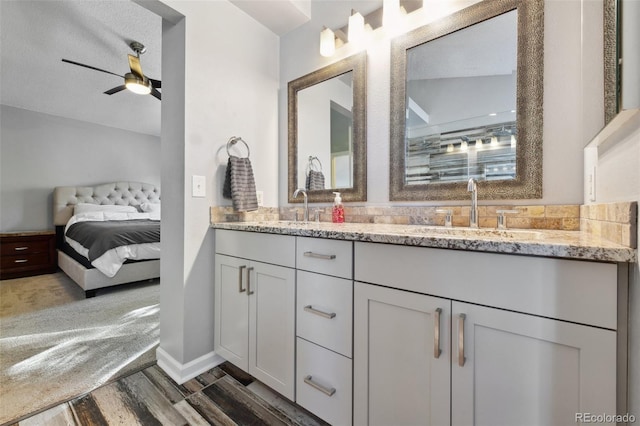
120, 193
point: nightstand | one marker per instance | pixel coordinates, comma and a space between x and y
24, 254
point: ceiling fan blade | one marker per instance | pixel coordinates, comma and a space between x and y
115, 90
156, 94
90, 67
155, 83
134, 64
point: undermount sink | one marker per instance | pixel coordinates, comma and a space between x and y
475, 232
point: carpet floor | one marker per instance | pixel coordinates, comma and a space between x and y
56, 345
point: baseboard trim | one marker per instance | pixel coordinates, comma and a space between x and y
181, 373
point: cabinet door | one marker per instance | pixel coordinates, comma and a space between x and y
398, 378
527, 370
231, 338
272, 326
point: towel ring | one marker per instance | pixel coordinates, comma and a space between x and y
310, 164
234, 140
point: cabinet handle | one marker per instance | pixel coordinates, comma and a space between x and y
319, 256
240, 289
21, 248
327, 391
21, 261
461, 357
249, 292
323, 314
436, 333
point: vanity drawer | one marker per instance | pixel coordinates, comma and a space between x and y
329, 257
323, 383
572, 290
324, 311
267, 248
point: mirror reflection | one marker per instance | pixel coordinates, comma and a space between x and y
466, 102
461, 104
327, 132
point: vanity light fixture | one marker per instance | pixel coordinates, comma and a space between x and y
494, 141
450, 148
356, 28
478, 144
513, 141
327, 42
136, 84
390, 13
464, 146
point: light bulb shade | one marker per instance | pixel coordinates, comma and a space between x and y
136, 84
356, 28
390, 13
327, 42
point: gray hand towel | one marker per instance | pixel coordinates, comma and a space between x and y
315, 180
239, 178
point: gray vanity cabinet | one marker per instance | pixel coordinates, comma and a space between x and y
401, 357
255, 306
485, 338
527, 370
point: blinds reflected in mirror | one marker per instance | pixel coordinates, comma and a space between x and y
482, 153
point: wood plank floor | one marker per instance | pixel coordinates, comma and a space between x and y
224, 395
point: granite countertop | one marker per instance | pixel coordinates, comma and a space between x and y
548, 243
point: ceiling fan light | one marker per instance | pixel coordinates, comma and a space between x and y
136, 85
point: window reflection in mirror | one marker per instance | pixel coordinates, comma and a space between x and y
461, 105
325, 134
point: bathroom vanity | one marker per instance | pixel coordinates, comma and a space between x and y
391, 324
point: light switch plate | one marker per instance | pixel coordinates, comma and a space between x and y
198, 186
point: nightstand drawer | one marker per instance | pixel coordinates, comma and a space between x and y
25, 247
25, 254
25, 261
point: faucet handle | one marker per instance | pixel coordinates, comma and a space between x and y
502, 222
448, 219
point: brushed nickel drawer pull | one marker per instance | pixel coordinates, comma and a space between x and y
461, 357
21, 248
319, 256
323, 314
21, 261
436, 333
327, 391
240, 289
249, 292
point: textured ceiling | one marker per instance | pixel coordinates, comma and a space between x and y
36, 35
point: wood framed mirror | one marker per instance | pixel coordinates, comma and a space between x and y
448, 77
327, 132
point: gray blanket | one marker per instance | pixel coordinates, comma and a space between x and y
99, 237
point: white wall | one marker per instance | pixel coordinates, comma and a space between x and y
40, 151
573, 91
220, 79
616, 157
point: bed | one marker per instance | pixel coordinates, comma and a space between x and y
88, 212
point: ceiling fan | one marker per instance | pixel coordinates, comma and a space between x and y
135, 80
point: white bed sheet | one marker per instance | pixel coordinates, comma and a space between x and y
112, 260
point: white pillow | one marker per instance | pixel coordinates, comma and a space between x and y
150, 207
88, 207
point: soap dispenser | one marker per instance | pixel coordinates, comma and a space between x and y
337, 213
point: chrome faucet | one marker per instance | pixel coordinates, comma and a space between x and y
306, 205
472, 187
